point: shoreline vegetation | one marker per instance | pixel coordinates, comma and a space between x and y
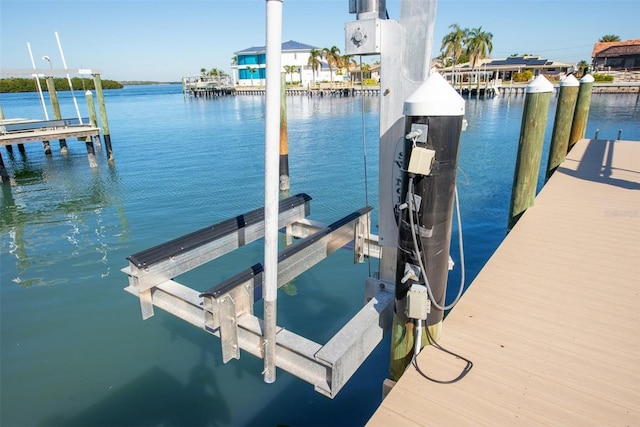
16, 84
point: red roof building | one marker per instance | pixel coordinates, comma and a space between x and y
623, 55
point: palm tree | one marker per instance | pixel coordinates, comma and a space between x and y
203, 71
346, 64
295, 69
609, 38
287, 70
333, 59
314, 61
583, 67
453, 45
479, 45
366, 71
290, 69
251, 70
234, 60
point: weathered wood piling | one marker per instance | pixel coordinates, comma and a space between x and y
285, 184
55, 106
567, 96
534, 122
103, 116
579, 124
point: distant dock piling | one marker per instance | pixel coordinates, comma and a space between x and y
103, 116
567, 96
534, 122
285, 183
55, 106
4, 175
581, 114
91, 107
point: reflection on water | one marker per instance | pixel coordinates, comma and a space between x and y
60, 217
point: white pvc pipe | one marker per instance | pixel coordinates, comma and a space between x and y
44, 107
271, 184
64, 63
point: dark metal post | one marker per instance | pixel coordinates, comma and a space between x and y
433, 125
4, 175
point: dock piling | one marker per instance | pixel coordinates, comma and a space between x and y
4, 175
91, 152
9, 147
47, 148
432, 138
93, 118
534, 123
285, 183
103, 116
55, 106
567, 95
581, 114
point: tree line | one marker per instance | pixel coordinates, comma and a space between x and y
463, 45
15, 84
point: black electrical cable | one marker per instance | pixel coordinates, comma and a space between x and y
469, 363
462, 374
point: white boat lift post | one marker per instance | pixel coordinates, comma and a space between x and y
64, 64
37, 77
272, 185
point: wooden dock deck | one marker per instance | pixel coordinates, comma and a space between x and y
38, 130
552, 322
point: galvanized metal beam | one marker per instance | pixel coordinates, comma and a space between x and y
327, 367
226, 311
161, 263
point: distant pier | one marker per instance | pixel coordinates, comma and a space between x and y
616, 87
213, 87
18, 131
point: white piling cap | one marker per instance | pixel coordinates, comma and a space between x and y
540, 85
570, 81
434, 97
588, 78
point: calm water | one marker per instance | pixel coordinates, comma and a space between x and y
74, 349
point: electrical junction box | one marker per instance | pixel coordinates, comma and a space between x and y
418, 304
421, 160
362, 37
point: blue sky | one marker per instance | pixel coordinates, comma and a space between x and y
163, 40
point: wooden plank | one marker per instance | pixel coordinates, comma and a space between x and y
553, 319
48, 134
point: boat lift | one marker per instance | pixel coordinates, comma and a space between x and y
226, 310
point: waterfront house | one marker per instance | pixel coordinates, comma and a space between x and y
616, 56
504, 68
250, 69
